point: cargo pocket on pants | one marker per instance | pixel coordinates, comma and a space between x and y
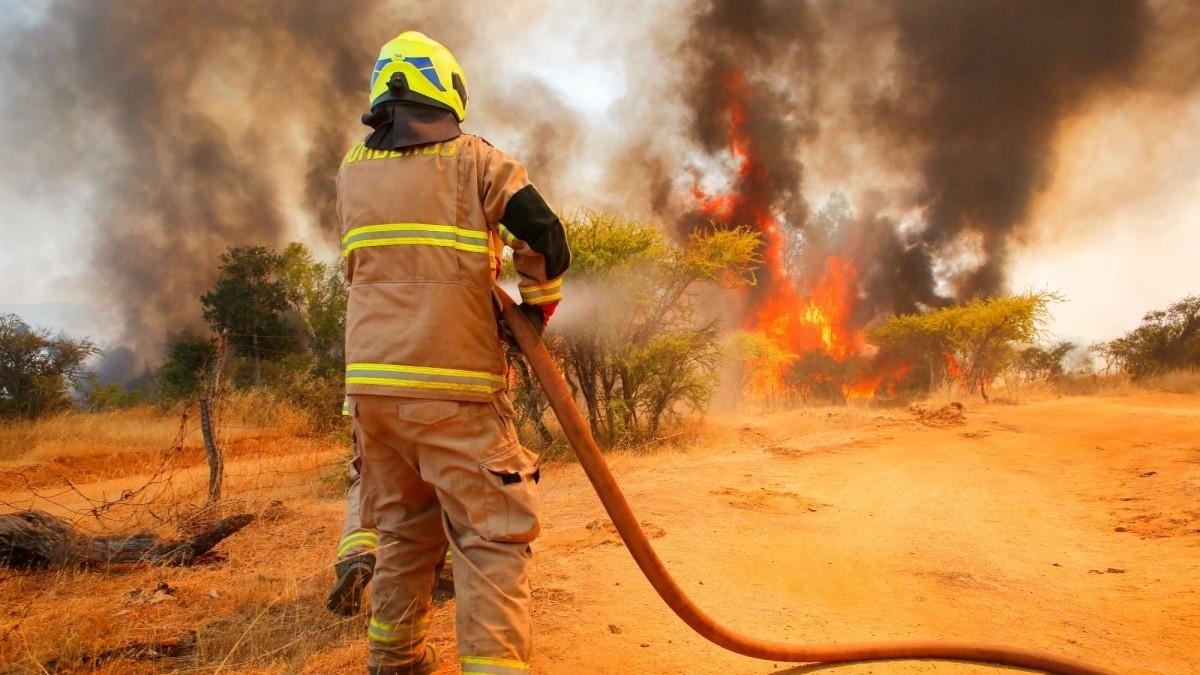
510, 496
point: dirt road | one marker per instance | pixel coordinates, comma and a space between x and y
1068, 525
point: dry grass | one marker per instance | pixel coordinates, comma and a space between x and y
75, 434
258, 611
256, 607
1178, 382
147, 428
1014, 393
263, 409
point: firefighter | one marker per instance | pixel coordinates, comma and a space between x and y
425, 211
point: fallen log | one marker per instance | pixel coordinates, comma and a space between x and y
33, 540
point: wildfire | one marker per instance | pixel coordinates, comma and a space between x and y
798, 317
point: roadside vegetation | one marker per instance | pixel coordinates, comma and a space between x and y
633, 346
631, 339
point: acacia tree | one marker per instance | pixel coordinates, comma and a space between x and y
817, 375
1044, 363
982, 336
38, 369
1108, 354
643, 352
1168, 339
924, 341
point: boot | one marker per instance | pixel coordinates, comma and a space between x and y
443, 590
443, 585
353, 575
426, 666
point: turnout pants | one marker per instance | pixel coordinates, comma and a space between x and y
448, 473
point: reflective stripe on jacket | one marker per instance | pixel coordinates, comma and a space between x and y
421, 232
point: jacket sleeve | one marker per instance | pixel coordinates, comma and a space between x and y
516, 210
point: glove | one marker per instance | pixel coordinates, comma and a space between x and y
537, 317
548, 310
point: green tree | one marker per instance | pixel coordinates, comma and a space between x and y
188, 355
38, 369
982, 336
317, 293
642, 353
924, 341
1168, 339
249, 303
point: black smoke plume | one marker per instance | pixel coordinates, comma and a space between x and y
987, 85
204, 125
975, 92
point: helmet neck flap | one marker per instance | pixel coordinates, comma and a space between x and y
400, 124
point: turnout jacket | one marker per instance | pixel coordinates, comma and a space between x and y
423, 229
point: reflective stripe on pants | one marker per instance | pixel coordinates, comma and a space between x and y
484, 664
357, 543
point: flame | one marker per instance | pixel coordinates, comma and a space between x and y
952, 367
797, 317
814, 318
870, 386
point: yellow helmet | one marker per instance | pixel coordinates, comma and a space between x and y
415, 68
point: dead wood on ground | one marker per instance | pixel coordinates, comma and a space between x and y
32, 540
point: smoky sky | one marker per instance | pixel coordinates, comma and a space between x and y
187, 119
201, 126
756, 56
974, 91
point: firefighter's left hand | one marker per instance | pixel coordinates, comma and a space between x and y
537, 318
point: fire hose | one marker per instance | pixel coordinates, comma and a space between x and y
576, 430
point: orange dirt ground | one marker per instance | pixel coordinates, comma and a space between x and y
1070, 525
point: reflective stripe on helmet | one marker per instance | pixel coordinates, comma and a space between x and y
415, 234
423, 377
